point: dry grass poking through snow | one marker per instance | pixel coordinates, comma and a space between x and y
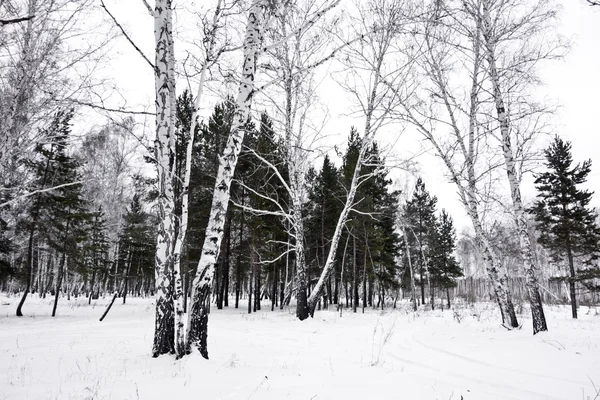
395, 354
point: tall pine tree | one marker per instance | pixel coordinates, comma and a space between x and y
566, 225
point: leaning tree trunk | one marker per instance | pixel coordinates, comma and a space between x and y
531, 282
29, 270
164, 330
197, 330
366, 142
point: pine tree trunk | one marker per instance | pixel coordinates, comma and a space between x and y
250, 283
126, 276
59, 280
364, 281
198, 314
572, 280
274, 287
91, 294
29, 268
227, 267
257, 298
537, 309
354, 277
410, 268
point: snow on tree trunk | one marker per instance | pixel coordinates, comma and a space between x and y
197, 329
164, 322
531, 282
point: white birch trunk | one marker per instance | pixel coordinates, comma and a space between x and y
366, 143
468, 191
183, 222
164, 323
197, 329
329, 264
535, 300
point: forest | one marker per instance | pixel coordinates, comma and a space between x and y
235, 187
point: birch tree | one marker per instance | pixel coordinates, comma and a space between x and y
259, 18
164, 331
46, 62
293, 71
373, 70
439, 105
504, 25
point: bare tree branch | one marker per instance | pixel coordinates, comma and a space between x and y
150, 10
15, 20
39, 191
304, 27
108, 109
126, 35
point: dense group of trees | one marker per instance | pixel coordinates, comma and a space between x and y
246, 202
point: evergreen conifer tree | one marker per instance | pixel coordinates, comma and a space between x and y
443, 265
567, 226
421, 227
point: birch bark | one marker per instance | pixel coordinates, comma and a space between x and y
366, 143
531, 282
462, 159
197, 330
164, 322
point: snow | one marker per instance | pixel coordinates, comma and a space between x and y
393, 354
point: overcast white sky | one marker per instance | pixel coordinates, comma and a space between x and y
574, 83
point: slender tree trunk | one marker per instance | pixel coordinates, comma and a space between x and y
274, 287
29, 268
412, 274
227, 267
164, 329
468, 191
250, 283
257, 285
287, 272
572, 280
339, 303
302, 306
364, 280
198, 315
126, 276
354, 277
59, 280
537, 309
92, 286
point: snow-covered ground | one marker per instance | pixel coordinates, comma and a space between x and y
270, 355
